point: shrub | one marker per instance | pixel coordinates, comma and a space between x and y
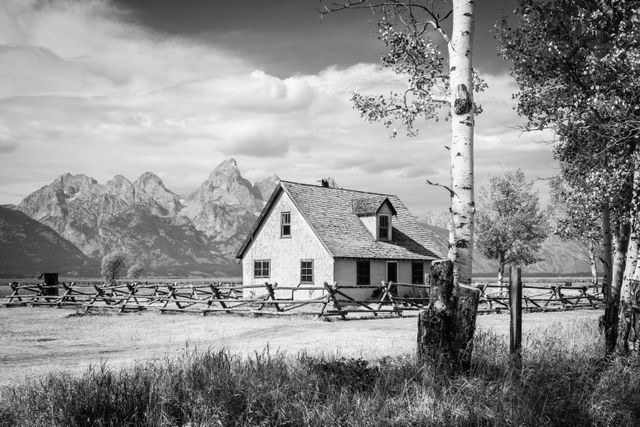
113, 266
135, 271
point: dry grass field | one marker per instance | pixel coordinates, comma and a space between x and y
34, 341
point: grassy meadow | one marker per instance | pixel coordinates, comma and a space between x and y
565, 381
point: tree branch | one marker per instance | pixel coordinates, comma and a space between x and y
436, 184
397, 5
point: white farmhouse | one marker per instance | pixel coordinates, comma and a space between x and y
308, 234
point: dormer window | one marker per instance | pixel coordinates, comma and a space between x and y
285, 224
376, 214
384, 227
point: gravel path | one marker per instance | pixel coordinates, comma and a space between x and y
34, 341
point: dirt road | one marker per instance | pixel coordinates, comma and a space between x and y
34, 341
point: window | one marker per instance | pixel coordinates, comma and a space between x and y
363, 272
306, 271
285, 224
261, 268
384, 224
417, 273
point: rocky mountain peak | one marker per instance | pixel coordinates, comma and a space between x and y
119, 182
265, 187
50, 202
72, 185
120, 187
69, 178
226, 185
225, 204
228, 164
225, 174
150, 190
148, 179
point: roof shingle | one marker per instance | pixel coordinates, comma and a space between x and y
369, 206
330, 212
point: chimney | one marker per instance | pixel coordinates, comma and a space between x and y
325, 183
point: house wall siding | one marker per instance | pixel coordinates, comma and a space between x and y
345, 274
285, 254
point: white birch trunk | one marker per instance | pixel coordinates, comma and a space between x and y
593, 263
630, 267
634, 240
629, 288
445, 331
462, 123
607, 250
612, 308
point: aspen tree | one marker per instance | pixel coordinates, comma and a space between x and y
435, 80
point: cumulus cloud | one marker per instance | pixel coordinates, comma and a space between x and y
84, 89
256, 140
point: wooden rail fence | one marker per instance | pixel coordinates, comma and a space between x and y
331, 300
544, 297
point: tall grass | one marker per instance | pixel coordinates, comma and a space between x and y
563, 382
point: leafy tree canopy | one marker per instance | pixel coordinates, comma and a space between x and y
113, 266
576, 212
135, 271
510, 224
577, 65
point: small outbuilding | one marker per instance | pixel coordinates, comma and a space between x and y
307, 235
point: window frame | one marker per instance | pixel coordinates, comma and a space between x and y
283, 225
302, 275
413, 273
378, 227
358, 276
263, 262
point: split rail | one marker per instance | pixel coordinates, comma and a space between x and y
272, 299
544, 297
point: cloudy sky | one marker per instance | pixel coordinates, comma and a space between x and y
175, 87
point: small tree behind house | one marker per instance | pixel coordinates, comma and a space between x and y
510, 224
113, 266
135, 271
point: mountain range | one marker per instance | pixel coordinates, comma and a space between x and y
195, 234
71, 223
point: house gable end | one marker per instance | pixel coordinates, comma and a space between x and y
295, 258
302, 213
264, 215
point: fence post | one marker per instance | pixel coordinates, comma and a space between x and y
515, 309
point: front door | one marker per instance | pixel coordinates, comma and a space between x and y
392, 271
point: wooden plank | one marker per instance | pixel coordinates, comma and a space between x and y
332, 297
337, 292
347, 311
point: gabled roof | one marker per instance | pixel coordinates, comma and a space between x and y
369, 206
330, 214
